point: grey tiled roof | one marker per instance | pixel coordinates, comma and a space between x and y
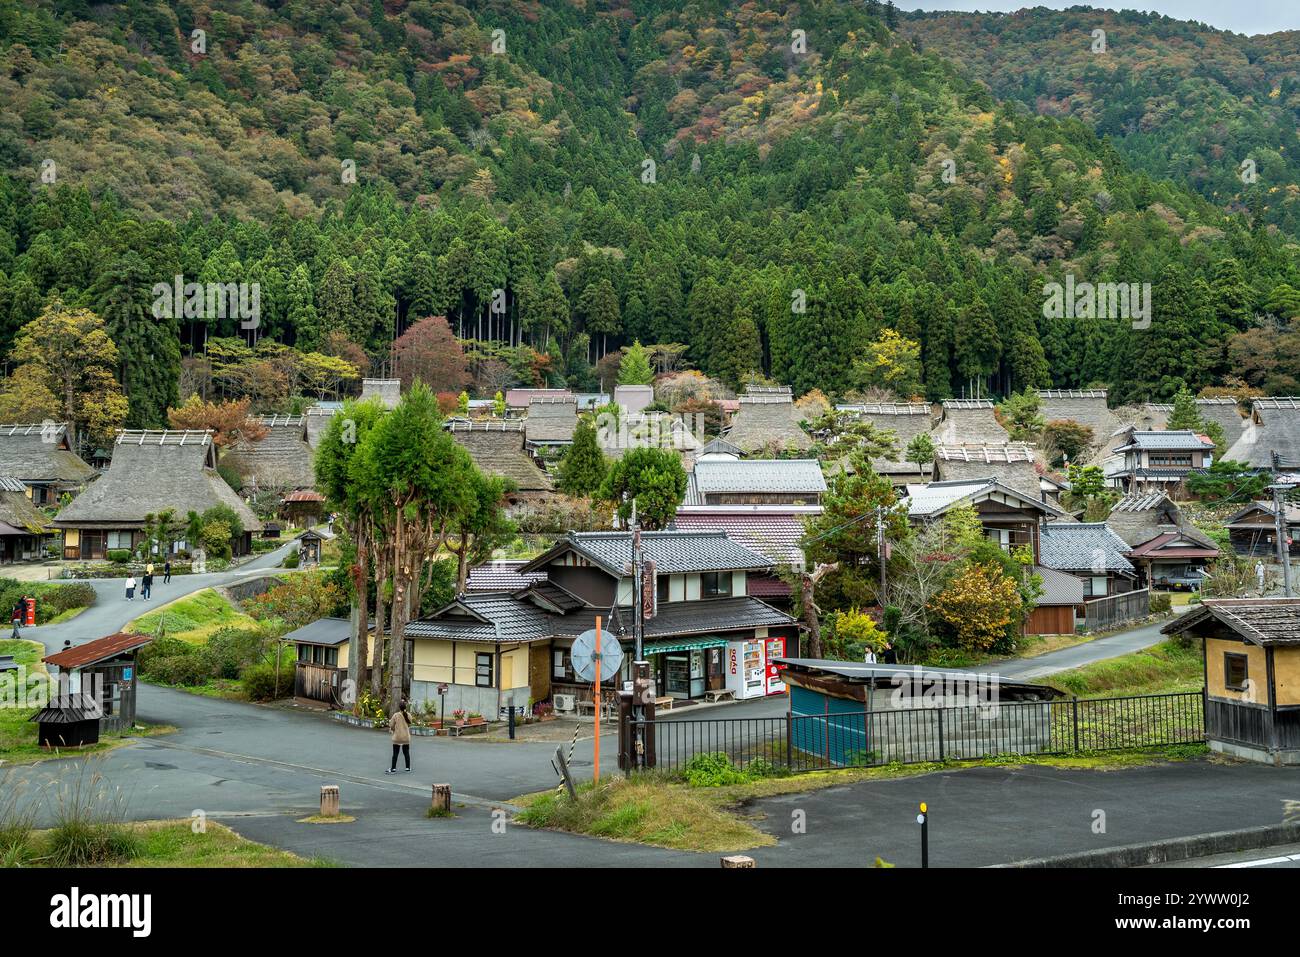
672, 552
1263, 621
489, 617
322, 631
1058, 587
1083, 546
759, 475
703, 617
1166, 439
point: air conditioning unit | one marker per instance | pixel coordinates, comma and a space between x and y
563, 702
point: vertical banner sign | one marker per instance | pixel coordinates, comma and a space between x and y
649, 590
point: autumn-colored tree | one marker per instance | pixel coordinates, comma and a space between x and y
228, 419
892, 362
428, 351
70, 350
26, 396
979, 605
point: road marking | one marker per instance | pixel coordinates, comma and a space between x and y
1261, 863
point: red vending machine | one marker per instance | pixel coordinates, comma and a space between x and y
774, 648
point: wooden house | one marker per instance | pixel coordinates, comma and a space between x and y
1251, 657
1253, 529
151, 471
755, 482
1010, 517
40, 455
1011, 463
498, 447
1273, 428
105, 670
23, 526
1158, 460
969, 422
1163, 545
767, 421
280, 461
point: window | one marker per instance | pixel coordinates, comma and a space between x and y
332, 657
1094, 587
1169, 459
715, 584
483, 671
1235, 672
304, 653
562, 667
661, 588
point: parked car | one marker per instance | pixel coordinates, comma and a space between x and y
1187, 579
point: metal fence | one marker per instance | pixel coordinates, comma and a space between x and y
850, 739
1101, 613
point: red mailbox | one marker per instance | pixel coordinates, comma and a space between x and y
30, 605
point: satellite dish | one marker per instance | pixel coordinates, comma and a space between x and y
584, 653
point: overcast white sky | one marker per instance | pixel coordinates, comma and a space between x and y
1241, 16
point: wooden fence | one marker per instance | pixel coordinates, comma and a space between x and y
1102, 613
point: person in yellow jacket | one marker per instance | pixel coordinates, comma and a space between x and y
400, 724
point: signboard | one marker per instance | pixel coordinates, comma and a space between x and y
649, 590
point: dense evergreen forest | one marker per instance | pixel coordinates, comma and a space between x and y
771, 185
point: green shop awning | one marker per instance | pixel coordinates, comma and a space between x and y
683, 644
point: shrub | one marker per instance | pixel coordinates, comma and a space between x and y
90, 844
63, 598
234, 649
119, 555
187, 669
712, 769
1160, 603
260, 682
292, 559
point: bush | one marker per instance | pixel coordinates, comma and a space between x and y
234, 649
712, 769
1160, 603
259, 680
291, 560
119, 555
61, 598
189, 669
90, 844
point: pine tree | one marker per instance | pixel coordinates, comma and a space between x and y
634, 369
583, 467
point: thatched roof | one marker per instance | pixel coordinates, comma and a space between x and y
552, 420
906, 420
17, 513
152, 471
388, 391
41, 452
281, 460
1274, 427
1226, 413
1085, 406
317, 421
1011, 464
969, 422
497, 448
767, 419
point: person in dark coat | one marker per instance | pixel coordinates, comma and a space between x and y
167, 571
146, 585
18, 616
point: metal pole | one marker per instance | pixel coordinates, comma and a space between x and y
596, 766
638, 639
923, 819
1279, 526
880, 551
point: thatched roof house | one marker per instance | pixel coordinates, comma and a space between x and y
317, 420
906, 420
1085, 406
21, 523
280, 461
151, 471
551, 420
387, 391
40, 456
969, 422
1274, 426
497, 448
1011, 464
767, 420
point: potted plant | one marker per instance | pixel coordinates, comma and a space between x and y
458, 716
476, 718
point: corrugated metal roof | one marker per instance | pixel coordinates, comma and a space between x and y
1059, 588
98, 650
760, 475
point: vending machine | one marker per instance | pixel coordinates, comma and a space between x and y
746, 671
774, 648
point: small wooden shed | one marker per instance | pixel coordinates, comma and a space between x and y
1251, 654
106, 670
70, 721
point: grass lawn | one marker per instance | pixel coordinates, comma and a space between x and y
163, 844
193, 618
664, 811
1162, 668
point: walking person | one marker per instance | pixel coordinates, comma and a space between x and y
400, 723
146, 583
130, 588
167, 571
18, 615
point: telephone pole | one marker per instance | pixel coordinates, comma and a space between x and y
880, 551
1279, 490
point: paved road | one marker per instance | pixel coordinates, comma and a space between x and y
111, 610
1269, 858
1123, 643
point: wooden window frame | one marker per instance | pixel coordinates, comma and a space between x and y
1229, 657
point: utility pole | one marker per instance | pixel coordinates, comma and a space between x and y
880, 550
639, 666
1279, 490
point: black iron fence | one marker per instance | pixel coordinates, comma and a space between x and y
850, 739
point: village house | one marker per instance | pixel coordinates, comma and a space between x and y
906, 420
1163, 546
767, 422
496, 650
1250, 650
1253, 529
719, 450
773, 531
1085, 406
281, 461
498, 447
518, 400
969, 422
755, 482
1010, 517
550, 425
1060, 608
1144, 461
1091, 552
639, 430
151, 472
23, 526
634, 398
1271, 438
40, 456
1012, 464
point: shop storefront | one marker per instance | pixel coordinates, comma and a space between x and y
687, 668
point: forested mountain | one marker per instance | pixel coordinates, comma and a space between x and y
1180, 100
771, 185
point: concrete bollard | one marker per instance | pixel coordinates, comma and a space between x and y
329, 800
738, 860
442, 799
